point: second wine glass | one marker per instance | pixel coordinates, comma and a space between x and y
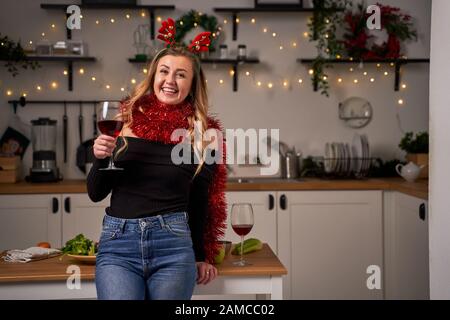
109, 115
242, 221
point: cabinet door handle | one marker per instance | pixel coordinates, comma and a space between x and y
55, 205
271, 201
422, 211
283, 202
67, 204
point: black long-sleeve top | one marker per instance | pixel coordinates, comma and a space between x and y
151, 184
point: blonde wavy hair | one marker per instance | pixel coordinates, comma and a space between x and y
197, 96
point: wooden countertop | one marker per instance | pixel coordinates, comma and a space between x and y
417, 189
264, 262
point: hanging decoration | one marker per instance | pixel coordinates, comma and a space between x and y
15, 56
357, 43
327, 16
194, 19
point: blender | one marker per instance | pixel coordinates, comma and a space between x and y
43, 136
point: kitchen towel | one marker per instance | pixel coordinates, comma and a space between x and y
30, 254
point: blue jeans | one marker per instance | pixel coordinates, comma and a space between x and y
148, 258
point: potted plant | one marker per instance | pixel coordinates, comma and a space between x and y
416, 148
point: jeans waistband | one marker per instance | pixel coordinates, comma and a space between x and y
153, 221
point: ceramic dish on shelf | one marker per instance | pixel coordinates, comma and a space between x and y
366, 145
357, 150
82, 258
327, 161
350, 159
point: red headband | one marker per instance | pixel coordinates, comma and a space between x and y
167, 34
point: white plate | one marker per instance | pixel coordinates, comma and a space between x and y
327, 161
367, 152
350, 160
342, 162
357, 151
334, 155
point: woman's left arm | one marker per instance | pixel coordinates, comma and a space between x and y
209, 209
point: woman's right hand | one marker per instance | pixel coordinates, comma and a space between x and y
104, 146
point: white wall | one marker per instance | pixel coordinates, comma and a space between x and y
439, 152
306, 119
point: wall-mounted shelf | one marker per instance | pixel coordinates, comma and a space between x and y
398, 63
266, 8
233, 62
68, 59
23, 101
150, 9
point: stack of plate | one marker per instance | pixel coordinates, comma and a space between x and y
361, 154
343, 159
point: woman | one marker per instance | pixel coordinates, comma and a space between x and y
160, 231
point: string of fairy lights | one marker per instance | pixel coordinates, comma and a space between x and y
355, 75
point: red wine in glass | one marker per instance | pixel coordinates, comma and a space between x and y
242, 229
110, 127
110, 123
242, 222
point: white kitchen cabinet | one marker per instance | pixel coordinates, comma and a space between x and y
26, 220
327, 240
81, 215
265, 216
406, 247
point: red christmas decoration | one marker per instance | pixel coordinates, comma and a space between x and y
167, 34
397, 25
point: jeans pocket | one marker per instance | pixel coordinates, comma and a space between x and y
109, 233
179, 228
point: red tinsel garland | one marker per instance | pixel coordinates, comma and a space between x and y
156, 121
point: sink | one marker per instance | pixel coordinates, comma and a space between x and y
262, 180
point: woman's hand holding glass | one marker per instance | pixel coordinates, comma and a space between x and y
104, 146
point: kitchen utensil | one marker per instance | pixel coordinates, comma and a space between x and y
356, 112
409, 172
85, 153
80, 122
65, 120
44, 151
291, 165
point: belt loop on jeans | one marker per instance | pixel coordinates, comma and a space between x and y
122, 225
161, 221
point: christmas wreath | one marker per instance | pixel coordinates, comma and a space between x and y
357, 42
397, 25
194, 19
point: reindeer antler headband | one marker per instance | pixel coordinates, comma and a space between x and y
167, 34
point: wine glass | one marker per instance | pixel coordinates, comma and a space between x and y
110, 123
242, 223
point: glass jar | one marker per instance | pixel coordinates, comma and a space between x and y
242, 52
223, 51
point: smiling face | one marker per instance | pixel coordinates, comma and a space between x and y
173, 79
